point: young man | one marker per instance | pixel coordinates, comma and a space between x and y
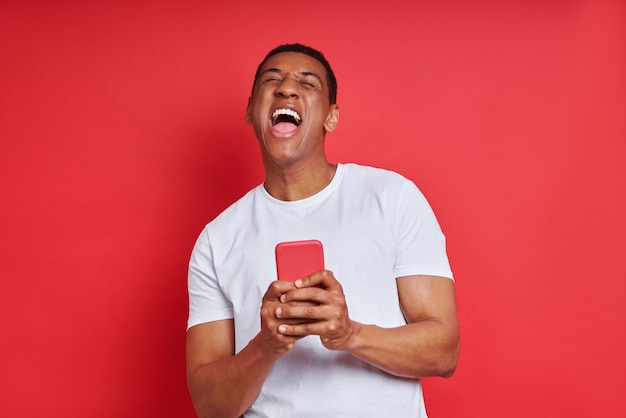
350, 341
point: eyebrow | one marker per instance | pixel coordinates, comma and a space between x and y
310, 74
303, 73
269, 70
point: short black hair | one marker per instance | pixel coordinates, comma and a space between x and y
303, 49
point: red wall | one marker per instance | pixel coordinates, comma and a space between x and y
122, 133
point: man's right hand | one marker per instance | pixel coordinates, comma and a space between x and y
222, 383
272, 342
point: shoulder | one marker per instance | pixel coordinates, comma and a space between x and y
375, 178
238, 210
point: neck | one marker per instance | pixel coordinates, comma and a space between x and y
298, 182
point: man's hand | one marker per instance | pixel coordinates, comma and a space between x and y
272, 342
316, 305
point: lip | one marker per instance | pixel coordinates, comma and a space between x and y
280, 134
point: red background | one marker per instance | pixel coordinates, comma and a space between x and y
122, 133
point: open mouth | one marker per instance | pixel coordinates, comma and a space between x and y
286, 116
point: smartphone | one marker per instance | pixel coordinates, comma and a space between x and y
297, 259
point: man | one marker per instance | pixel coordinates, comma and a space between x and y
351, 341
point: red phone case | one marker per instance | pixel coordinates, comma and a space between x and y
297, 259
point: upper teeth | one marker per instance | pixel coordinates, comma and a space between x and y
289, 112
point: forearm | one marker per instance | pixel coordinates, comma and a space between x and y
421, 349
228, 387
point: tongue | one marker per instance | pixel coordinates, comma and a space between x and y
285, 127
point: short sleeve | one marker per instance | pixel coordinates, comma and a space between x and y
207, 302
420, 243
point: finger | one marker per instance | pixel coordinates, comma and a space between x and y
302, 312
298, 330
278, 288
323, 278
306, 296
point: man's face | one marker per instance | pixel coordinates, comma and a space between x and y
290, 108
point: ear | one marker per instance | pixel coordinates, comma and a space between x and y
248, 117
332, 119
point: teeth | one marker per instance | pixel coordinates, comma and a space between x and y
288, 112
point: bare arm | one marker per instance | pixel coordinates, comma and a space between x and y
222, 384
427, 346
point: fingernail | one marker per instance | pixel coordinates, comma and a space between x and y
298, 282
282, 329
279, 311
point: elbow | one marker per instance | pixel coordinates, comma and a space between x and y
449, 361
208, 413
448, 371
444, 359
441, 363
445, 367
207, 409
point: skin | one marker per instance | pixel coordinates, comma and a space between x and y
225, 384
295, 165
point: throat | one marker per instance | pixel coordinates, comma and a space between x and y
300, 184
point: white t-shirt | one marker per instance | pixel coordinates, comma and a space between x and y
375, 226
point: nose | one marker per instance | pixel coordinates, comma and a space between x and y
287, 88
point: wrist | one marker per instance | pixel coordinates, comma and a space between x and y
352, 341
260, 351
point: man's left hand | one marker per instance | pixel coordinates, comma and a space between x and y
327, 309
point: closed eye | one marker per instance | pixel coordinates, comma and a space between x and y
270, 79
270, 75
